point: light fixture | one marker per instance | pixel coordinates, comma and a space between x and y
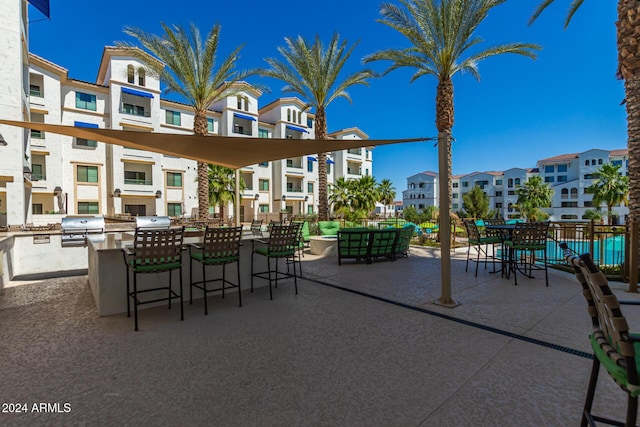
284, 197
256, 197
306, 198
57, 191
158, 194
26, 169
117, 192
3, 142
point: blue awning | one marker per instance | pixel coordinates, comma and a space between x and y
42, 6
312, 159
331, 162
137, 92
297, 129
85, 125
244, 116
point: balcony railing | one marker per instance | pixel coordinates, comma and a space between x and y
35, 92
138, 181
38, 177
294, 189
136, 113
357, 152
291, 164
37, 134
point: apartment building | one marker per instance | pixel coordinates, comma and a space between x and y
567, 174
44, 176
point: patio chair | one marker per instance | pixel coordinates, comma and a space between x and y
221, 246
154, 251
527, 240
271, 224
476, 240
282, 244
614, 347
256, 227
404, 239
329, 228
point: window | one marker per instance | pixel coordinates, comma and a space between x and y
310, 187
141, 76
263, 185
309, 123
455, 185
454, 206
562, 178
586, 162
588, 203
174, 209
328, 168
366, 171
309, 209
136, 110
574, 193
562, 168
549, 179
263, 208
420, 206
37, 134
209, 125
569, 217
510, 182
130, 75
511, 193
36, 208
498, 205
498, 182
593, 162
455, 195
173, 118
309, 165
87, 174
85, 101
136, 209
616, 163
412, 186
591, 176
264, 164
81, 142
263, 133
239, 105
174, 179
288, 114
421, 185
135, 177
569, 204
35, 90
498, 193
548, 169
599, 161
88, 208
465, 184
517, 181
37, 173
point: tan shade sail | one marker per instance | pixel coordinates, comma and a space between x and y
232, 152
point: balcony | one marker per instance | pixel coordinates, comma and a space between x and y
354, 171
355, 151
138, 181
294, 163
38, 177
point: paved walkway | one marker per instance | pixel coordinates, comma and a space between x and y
360, 345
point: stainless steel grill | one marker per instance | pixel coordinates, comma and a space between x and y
76, 229
153, 222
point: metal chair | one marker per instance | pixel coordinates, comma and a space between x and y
256, 227
154, 251
475, 239
613, 345
221, 246
528, 238
282, 244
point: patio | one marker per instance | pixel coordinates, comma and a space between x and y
360, 345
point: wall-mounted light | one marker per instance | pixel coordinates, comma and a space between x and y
26, 169
3, 142
117, 192
57, 191
284, 197
306, 198
158, 194
256, 197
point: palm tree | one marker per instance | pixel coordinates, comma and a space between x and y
628, 27
532, 196
611, 188
365, 195
441, 34
340, 197
188, 67
387, 193
312, 71
222, 186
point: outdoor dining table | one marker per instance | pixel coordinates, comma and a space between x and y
507, 232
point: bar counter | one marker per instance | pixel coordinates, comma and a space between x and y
107, 271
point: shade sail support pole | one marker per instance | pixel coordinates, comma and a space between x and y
445, 222
236, 205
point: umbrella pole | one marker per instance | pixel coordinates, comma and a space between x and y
237, 202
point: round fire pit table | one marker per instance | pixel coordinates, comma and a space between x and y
323, 245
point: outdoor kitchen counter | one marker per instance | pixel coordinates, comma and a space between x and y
108, 273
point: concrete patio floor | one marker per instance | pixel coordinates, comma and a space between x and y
360, 345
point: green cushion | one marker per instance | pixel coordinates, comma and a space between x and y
149, 268
305, 231
329, 228
265, 251
617, 372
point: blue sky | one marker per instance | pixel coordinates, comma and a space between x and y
568, 100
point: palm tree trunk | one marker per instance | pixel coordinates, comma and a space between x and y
444, 123
321, 133
200, 128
